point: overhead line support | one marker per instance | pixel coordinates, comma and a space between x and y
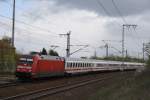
123, 37
68, 43
13, 24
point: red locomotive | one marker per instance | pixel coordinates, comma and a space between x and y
39, 66
46, 66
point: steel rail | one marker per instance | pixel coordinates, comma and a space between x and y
53, 90
9, 84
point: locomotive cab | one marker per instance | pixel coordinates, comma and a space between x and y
24, 67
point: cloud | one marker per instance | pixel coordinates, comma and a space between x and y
127, 7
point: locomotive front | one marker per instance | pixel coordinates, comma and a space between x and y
24, 67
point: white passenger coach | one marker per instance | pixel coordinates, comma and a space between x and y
74, 65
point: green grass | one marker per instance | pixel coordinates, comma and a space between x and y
129, 88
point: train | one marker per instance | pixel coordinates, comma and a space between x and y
39, 66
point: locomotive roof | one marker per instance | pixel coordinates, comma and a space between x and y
48, 57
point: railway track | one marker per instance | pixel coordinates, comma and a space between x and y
53, 90
9, 84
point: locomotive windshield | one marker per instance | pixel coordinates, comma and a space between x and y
26, 60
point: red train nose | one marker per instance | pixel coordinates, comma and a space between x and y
24, 69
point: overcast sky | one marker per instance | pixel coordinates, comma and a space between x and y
39, 23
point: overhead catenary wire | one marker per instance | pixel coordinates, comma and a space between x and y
26, 39
103, 7
36, 27
119, 12
27, 32
22, 10
100, 4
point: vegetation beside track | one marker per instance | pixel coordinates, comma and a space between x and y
118, 58
132, 88
8, 56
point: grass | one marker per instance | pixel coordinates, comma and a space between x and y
129, 88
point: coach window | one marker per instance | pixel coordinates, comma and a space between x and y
67, 64
76, 64
71, 64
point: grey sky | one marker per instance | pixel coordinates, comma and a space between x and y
85, 18
128, 7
